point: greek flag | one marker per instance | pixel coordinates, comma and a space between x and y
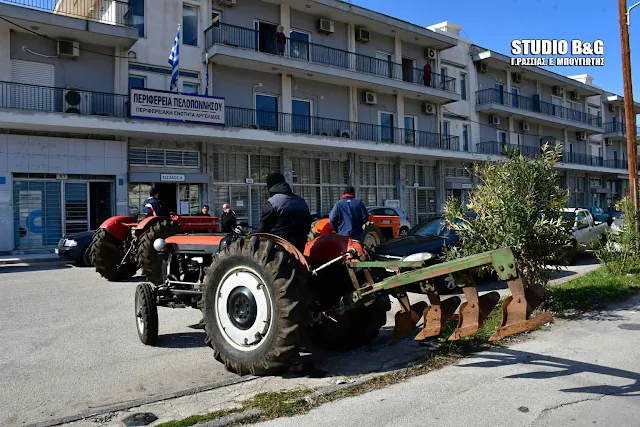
174, 61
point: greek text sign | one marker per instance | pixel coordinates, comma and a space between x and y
172, 177
176, 107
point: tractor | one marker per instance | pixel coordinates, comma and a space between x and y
124, 244
262, 299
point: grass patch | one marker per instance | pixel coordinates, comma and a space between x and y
197, 419
280, 403
590, 292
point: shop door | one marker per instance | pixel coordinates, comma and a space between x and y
37, 214
76, 207
100, 203
422, 205
167, 194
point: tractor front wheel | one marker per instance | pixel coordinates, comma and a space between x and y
371, 235
107, 253
254, 307
148, 259
146, 312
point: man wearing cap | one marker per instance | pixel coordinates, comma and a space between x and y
285, 214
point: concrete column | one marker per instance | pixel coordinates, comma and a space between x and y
353, 108
121, 83
508, 82
286, 94
5, 64
285, 18
211, 71
397, 51
286, 165
6, 185
402, 186
351, 45
538, 90
122, 183
353, 168
513, 138
400, 110
440, 191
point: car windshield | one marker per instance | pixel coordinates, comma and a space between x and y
435, 227
570, 217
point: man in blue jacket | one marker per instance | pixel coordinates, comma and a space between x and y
348, 215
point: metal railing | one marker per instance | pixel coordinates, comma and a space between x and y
616, 164
494, 96
502, 148
247, 38
615, 127
62, 100
114, 12
319, 126
581, 159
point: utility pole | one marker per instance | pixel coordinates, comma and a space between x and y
629, 110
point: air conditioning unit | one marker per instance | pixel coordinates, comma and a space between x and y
227, 2
370, 98
582, 136
429, 53
428, 108
558, 90
326, 26
495, 120
612, 108
516, 77
525, 126
76, 102
482, 67
68, 49
608, 142
363, 35
575, 95
344, 133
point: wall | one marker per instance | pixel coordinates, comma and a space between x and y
490, 78
307, 22
489, 132
377, 42
335, 99
236, 85
527, 87
244, 12
426, 123
414, 52
90, 71
369, 113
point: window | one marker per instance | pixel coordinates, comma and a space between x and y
301, 116
192, 88
267, 111
137, 82
499, 90
266, 37
465, 137
408, 67
189, 197
445, 140
445, 127
410, 130
386, 126
299, 44
137, 15
502, 137
443, 78
463, 86
189, 25
384, 64
515, 92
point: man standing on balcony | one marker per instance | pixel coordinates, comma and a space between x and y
281, 41
427, 74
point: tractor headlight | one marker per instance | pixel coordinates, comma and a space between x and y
420, 256
159, 245
70, 243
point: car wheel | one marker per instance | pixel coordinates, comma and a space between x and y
404, 231
446, 285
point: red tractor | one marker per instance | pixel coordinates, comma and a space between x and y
123, 244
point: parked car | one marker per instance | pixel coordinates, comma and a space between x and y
586, 231
405, 223
429, 237
75, 247
600, 215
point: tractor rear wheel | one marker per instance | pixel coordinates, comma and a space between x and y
148, 259
107, 253
254, 307
352, 329
371, 235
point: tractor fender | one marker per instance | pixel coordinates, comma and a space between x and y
117, 226
144, 225
287, 246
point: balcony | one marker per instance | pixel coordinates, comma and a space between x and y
502, 148
617, 130
582, 159
243, 47
113, 12
534, 110
86, 103
616, 164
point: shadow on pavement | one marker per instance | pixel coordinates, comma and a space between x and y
561, 367
42, 266
181, 340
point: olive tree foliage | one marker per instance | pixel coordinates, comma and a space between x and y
621, 253
518, 203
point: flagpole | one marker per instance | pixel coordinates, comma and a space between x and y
206, 74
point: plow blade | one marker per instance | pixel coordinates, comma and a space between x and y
437, 315
517, 309
406, 320
473, 312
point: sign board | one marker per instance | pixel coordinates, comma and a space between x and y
175, 177
249, 181
176, 107
62, 176
466, 186
416, 184
240, 203
392, 203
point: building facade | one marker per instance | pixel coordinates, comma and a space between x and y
352, 98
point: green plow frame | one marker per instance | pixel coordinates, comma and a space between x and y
411, 276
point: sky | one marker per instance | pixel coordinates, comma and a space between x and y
494, 24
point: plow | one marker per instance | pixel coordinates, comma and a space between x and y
263, 300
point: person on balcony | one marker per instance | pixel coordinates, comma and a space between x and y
427, 74
281, 41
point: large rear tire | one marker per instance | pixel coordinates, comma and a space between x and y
353, 329
107, 253
254, 307
148, 259
371, 235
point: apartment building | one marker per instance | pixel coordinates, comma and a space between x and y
354, 97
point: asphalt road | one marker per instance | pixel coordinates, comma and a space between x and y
68, 344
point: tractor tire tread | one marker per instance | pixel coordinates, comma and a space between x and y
106, 253
148, 260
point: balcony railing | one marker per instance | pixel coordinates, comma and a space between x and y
74, 101
62, 100
261, 41
618, 127
616, 164
498, 148
494, 96
113, 12
299, 124
581, 159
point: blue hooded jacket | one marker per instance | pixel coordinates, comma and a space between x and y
348, 216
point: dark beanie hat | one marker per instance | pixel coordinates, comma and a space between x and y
274, 178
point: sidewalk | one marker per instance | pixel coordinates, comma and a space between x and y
30, 258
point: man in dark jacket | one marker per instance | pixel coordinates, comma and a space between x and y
348, 215
285, 214
281, 41
152, 206
228, 220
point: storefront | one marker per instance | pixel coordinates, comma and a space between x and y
320, 181
421, 189
457, 183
